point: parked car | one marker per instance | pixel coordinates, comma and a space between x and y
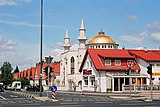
34, 88
1, 88
16, 85
9, 87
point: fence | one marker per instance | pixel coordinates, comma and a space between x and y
140, 88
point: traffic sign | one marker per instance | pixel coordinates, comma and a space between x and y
53, 88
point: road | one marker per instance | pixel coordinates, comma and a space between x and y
71, 100
8, 98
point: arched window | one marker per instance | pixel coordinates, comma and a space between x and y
72, 65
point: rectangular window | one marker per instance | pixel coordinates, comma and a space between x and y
117, 62
85, 80
87, 64
158, 65
107, 62
91, 63
92, 80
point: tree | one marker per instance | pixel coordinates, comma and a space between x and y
16, 70
24, 81
6, 76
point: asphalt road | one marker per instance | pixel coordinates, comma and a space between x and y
70, 100
10, 99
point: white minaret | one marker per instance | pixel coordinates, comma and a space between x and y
82, 36
67, 44
82, 43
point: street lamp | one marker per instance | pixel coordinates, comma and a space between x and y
130, 64
41, 63
48, 60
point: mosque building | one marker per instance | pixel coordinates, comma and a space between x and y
100, 65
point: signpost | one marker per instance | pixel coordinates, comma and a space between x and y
53, 89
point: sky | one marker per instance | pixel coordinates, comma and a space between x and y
133, 24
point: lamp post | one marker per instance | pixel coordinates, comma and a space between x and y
130, 82
130, 64
48, 60
41, 33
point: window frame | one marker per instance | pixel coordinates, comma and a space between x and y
116, 63
108, 60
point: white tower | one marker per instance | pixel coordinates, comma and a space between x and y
82, 43
67, 44
82, 36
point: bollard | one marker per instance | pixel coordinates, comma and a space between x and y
53, 95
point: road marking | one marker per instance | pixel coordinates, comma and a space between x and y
136, 104
151, 106
2, 97
13, 96
103, 102
70, 103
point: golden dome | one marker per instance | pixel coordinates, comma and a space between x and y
101, 39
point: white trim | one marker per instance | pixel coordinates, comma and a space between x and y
116, 63
108, 60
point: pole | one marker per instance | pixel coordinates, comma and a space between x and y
41, 33
130, 82
151, 87
48, 82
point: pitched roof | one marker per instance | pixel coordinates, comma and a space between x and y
148, 55
97, 55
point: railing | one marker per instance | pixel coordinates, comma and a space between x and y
140, 87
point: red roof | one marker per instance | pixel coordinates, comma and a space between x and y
56, 67
97, 56
146, 55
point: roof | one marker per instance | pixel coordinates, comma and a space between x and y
101, 39
148, 55
97, 56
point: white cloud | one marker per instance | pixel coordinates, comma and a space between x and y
154, 25
8, 15
60, 44
28, 24
132, 17
13, 2
7, 44
56, 54
7, 2
155, 37
58, 51
74, 47
17, 60
134, 39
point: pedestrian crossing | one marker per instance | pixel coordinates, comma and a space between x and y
19, 101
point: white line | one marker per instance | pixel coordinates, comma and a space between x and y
103, 102
136, 104
69, 103
2, 97
13, 96
151, 106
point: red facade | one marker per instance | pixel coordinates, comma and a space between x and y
31, 72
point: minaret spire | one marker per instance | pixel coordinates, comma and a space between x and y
82, 35
67, 44
82, 25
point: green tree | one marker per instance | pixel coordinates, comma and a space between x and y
6, 76
24, 81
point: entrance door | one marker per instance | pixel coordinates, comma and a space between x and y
118, 82
115, 84
121, 82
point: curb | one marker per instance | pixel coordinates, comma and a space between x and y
45, 99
